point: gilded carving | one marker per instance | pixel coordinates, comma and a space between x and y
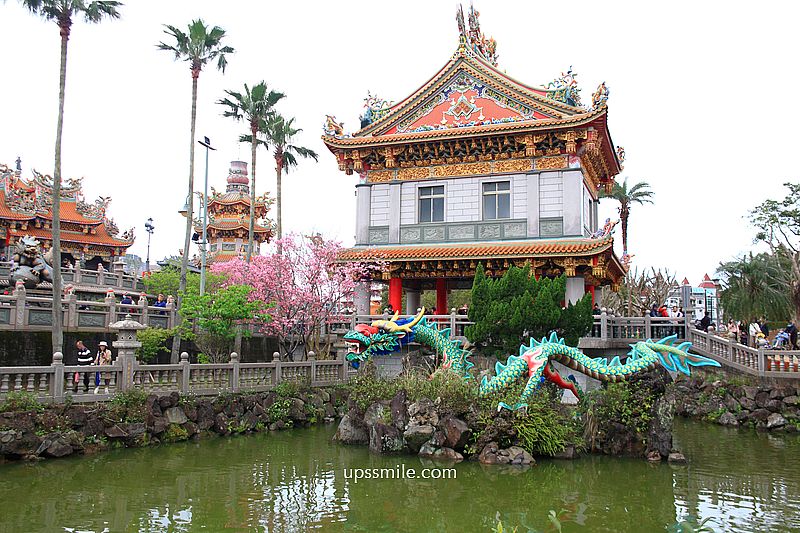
513, 165
415, 173
550, 163
462, 169
380, 176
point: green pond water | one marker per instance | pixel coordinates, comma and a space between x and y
297, 480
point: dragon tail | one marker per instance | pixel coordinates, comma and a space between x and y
676, 358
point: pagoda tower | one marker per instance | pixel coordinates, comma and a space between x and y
229, 217
476, 167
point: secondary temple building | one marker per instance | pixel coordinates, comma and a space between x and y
87, 235
229, 217
476, 167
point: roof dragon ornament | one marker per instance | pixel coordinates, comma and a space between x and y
473, 38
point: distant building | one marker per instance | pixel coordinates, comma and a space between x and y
701, 299
229, 217
87, 235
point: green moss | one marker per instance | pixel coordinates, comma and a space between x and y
21, 401
627, 403
175, 433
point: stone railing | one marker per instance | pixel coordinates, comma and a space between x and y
755, 361
20, 311
341, 323
56, 382
631, 329
92, 278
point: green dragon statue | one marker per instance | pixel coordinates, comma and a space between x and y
535, 360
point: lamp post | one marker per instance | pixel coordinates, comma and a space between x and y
149, 228
207, 143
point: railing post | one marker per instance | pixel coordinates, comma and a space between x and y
20, 294
58, 377
77, 276
185, 370
603, 325
72, 310
111, 302
235, 372
171, 313
762, 362
143, 304
353, 321
276, 358
312, 357
343, 366
648, 327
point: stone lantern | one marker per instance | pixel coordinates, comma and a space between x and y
126, 345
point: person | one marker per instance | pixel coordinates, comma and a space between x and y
84, 359
160, 302
764, 327
103, 358
782, 340
654, 310
126, 299
596, 310
662, 311
705, 322
389, 309
100, 267
733, 329
791, 329
753, 330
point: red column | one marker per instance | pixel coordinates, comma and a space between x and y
396, 294
441, 297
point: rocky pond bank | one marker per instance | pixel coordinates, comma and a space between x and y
442, 418
739, 402
30, 430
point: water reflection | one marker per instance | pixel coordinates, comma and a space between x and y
294, 481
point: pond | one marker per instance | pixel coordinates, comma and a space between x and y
297, 480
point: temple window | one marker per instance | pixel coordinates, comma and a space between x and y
496, 200
431, 204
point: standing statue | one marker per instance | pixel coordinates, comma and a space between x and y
534, 361
30, 266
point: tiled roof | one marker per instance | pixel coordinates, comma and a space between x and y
236, 224
101, 237
232, 198
69, 213
6, 212
532, 248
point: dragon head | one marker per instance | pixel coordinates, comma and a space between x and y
382, 337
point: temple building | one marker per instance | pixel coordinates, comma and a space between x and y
229, 217
477, 167
88, 237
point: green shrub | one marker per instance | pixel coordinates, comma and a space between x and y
21, 401
626, 403
543, 430
287, 389
279, 410
175, 433
128, 406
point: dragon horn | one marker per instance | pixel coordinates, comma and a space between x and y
416, 318
395, 317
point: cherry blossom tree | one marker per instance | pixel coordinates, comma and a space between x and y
306, 284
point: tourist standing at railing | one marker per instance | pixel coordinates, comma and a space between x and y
733, 329
103, 358
791, 329
84, 359
752, 333
705, 322
160, 302
764, 327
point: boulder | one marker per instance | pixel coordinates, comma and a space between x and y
775, 421
456, 432
325, 395
653, 456
398, 410
169, 401
297, 410
762, 397
375, 413
330, 411
316, 401
351, 430
569, 452
386, 439
18, 443
423, 412
750, 392
791, 400
728, 419
417, 435
75, 415
221, 424
759, 414
93, 426
676, 458
191, 428
116, 431
518, 456
488, 455
152, 405
427, 450
781, 391
160, 425
175, 415
447, 454
54, 445
776, 406
731, 404
205, 415
748, 404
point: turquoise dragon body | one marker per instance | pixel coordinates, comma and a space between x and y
535, 360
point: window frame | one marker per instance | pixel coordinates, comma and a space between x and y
433, 196
496, 194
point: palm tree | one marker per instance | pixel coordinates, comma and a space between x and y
640, 193
198, 47
279, 132
62, 12
253, 107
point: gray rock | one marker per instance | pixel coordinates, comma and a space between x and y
316, 401
427, 450
297, 410
175, 415
775, 421
423, 412
518, 456
750, 392
351, 431
731, 404
759, 414
569, 452
417, 435
676, 458
748, 404
386, 439
398, 409
780, 392
160, 425
791, 400
116, 432
447, 454
762, 397
58, 448
653, 456
776, 406
728, 419
456, 432
375, 413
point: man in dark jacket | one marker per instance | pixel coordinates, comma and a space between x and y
705, 322
791, 329
84, 359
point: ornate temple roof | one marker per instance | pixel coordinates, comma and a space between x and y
537, 248
26, 209
469, 97
237, 191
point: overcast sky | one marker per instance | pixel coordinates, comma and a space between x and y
700, 97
